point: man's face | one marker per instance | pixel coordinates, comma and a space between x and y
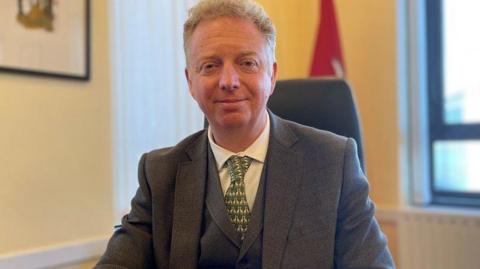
229, 72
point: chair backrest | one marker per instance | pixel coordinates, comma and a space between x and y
326, 104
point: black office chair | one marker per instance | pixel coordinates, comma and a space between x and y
326, 104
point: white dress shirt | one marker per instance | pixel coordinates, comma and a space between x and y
257, 151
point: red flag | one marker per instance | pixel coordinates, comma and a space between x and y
327, 57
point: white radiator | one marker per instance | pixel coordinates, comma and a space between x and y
431, 239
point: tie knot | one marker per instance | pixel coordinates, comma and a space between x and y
238, 166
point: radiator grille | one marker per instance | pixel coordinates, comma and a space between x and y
438, 241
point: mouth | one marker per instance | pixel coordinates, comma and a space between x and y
229, 101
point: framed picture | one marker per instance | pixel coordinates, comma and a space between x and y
45, 37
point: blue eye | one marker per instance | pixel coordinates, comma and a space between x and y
249, 65
208, 67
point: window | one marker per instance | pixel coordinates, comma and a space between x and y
453, 58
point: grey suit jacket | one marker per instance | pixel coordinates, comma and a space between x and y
317, 211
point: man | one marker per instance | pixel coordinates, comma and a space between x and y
253, 190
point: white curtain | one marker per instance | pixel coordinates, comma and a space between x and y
151, 104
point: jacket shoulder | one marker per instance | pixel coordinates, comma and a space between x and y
312, 136
169, 157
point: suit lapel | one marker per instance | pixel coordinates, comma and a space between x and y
188, 206
281, 191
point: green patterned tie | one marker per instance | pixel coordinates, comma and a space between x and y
235, 199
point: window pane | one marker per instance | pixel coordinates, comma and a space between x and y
457, 166
461, 59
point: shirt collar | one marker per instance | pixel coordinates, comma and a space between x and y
257, 150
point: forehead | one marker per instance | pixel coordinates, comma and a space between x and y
226, 35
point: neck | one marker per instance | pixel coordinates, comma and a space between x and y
238, 139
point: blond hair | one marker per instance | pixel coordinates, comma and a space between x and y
244, 9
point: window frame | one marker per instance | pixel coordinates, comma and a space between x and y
439, 130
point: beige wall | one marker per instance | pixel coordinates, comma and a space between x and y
55, 139
369, 38
368, 34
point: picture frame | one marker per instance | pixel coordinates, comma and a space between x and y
46, 38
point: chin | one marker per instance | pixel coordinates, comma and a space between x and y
231, 124
232, 121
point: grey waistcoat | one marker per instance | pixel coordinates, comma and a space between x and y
220, 244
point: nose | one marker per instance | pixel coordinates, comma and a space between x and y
229, 79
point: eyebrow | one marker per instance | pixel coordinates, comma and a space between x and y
213, 55
248, 53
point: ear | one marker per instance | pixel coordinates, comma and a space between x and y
273, 77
